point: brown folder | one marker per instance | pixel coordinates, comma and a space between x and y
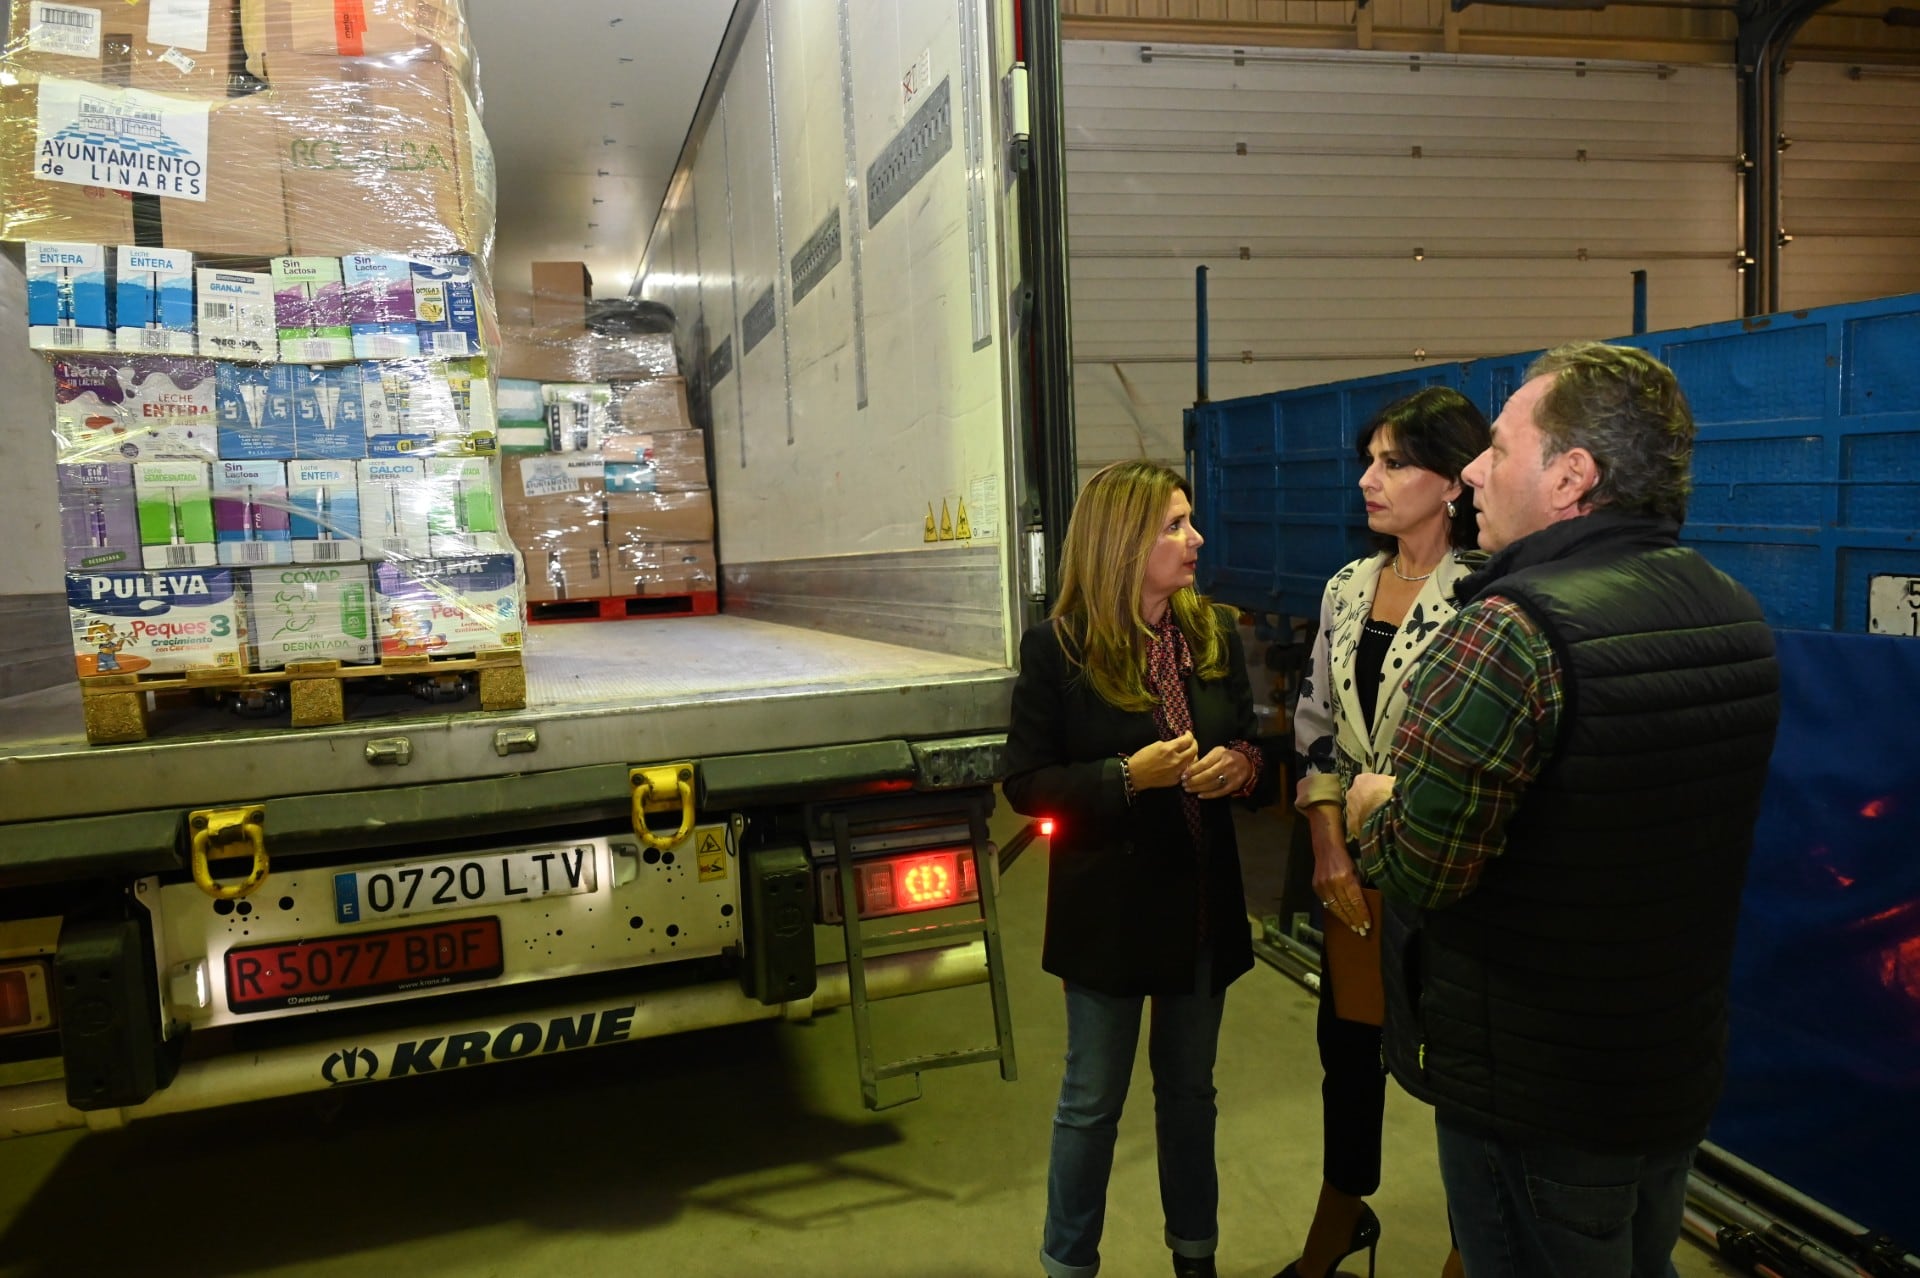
1353, 962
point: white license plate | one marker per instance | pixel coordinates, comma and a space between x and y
458, 883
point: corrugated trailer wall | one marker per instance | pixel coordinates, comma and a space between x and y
1357, 216
1851, 183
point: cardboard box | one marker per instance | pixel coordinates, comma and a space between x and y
404, 31
99, 523
554, 499
567, 570
538, 355
317, 613
235, 312
666, 568
394, 501
250, 513
633, 518
254, 403
561, 291
70, 295
236, 208
153, 300
165, 622
657, 404
183, 49
446, 312
380, 305
448, 607
675, 461
310, 310
464, 517
577, 418
324, 507
329, 409
134, 408
395, 157
638, 356
176, 514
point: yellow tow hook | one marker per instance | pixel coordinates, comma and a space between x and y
216, 828
658, 789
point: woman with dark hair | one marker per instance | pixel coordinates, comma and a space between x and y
1132, 720
1376, 618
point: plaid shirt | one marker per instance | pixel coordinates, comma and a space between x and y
1482, 718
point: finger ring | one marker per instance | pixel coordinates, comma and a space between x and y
1328, 904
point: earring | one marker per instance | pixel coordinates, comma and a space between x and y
1452, 511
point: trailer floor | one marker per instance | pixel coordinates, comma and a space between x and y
733, 1152
584, 665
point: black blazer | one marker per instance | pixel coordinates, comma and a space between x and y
1123, 881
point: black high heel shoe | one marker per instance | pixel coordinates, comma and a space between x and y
1366, 1235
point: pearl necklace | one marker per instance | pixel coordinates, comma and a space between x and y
1402, 576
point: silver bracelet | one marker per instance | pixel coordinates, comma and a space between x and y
1126, 777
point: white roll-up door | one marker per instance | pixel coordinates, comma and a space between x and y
1850, 183
1358, 215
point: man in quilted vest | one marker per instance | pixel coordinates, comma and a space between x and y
1566, 830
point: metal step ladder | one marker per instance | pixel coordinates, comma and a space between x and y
896, 827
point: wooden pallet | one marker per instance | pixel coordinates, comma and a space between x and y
116, 706
698, 603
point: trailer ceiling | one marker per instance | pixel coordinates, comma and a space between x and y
586, 104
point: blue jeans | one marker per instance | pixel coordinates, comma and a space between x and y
1551, 1211
1102, 1035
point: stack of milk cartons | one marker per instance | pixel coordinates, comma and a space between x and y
606, 479
268, 319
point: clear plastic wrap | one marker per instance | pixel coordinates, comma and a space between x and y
636, 518
334, 127
261, 229
556, 515
165, 557
280, 36
544, 343
666, 568
187, 50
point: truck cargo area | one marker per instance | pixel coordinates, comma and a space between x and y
727, 678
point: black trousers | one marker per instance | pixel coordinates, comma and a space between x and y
1353, 1097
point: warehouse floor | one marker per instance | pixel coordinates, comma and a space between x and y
742, 1151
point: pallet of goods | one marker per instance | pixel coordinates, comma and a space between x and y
606, 483
256, 251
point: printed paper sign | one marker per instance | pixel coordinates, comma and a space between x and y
546, 477
178, 22
983, 506
125, 139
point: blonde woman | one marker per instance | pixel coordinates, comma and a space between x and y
1376, 618
1132, 721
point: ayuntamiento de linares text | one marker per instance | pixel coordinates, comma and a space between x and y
122, 169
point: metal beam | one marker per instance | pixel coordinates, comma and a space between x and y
1760, 53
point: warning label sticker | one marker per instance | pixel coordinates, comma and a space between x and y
711, 853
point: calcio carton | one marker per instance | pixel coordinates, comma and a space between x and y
165, 622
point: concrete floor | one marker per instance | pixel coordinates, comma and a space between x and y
742, 1151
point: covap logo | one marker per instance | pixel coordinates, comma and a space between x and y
350, 1065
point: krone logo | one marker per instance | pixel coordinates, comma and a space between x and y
350, 1065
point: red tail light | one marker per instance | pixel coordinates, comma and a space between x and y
23, 998
1046, 827
902, 884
